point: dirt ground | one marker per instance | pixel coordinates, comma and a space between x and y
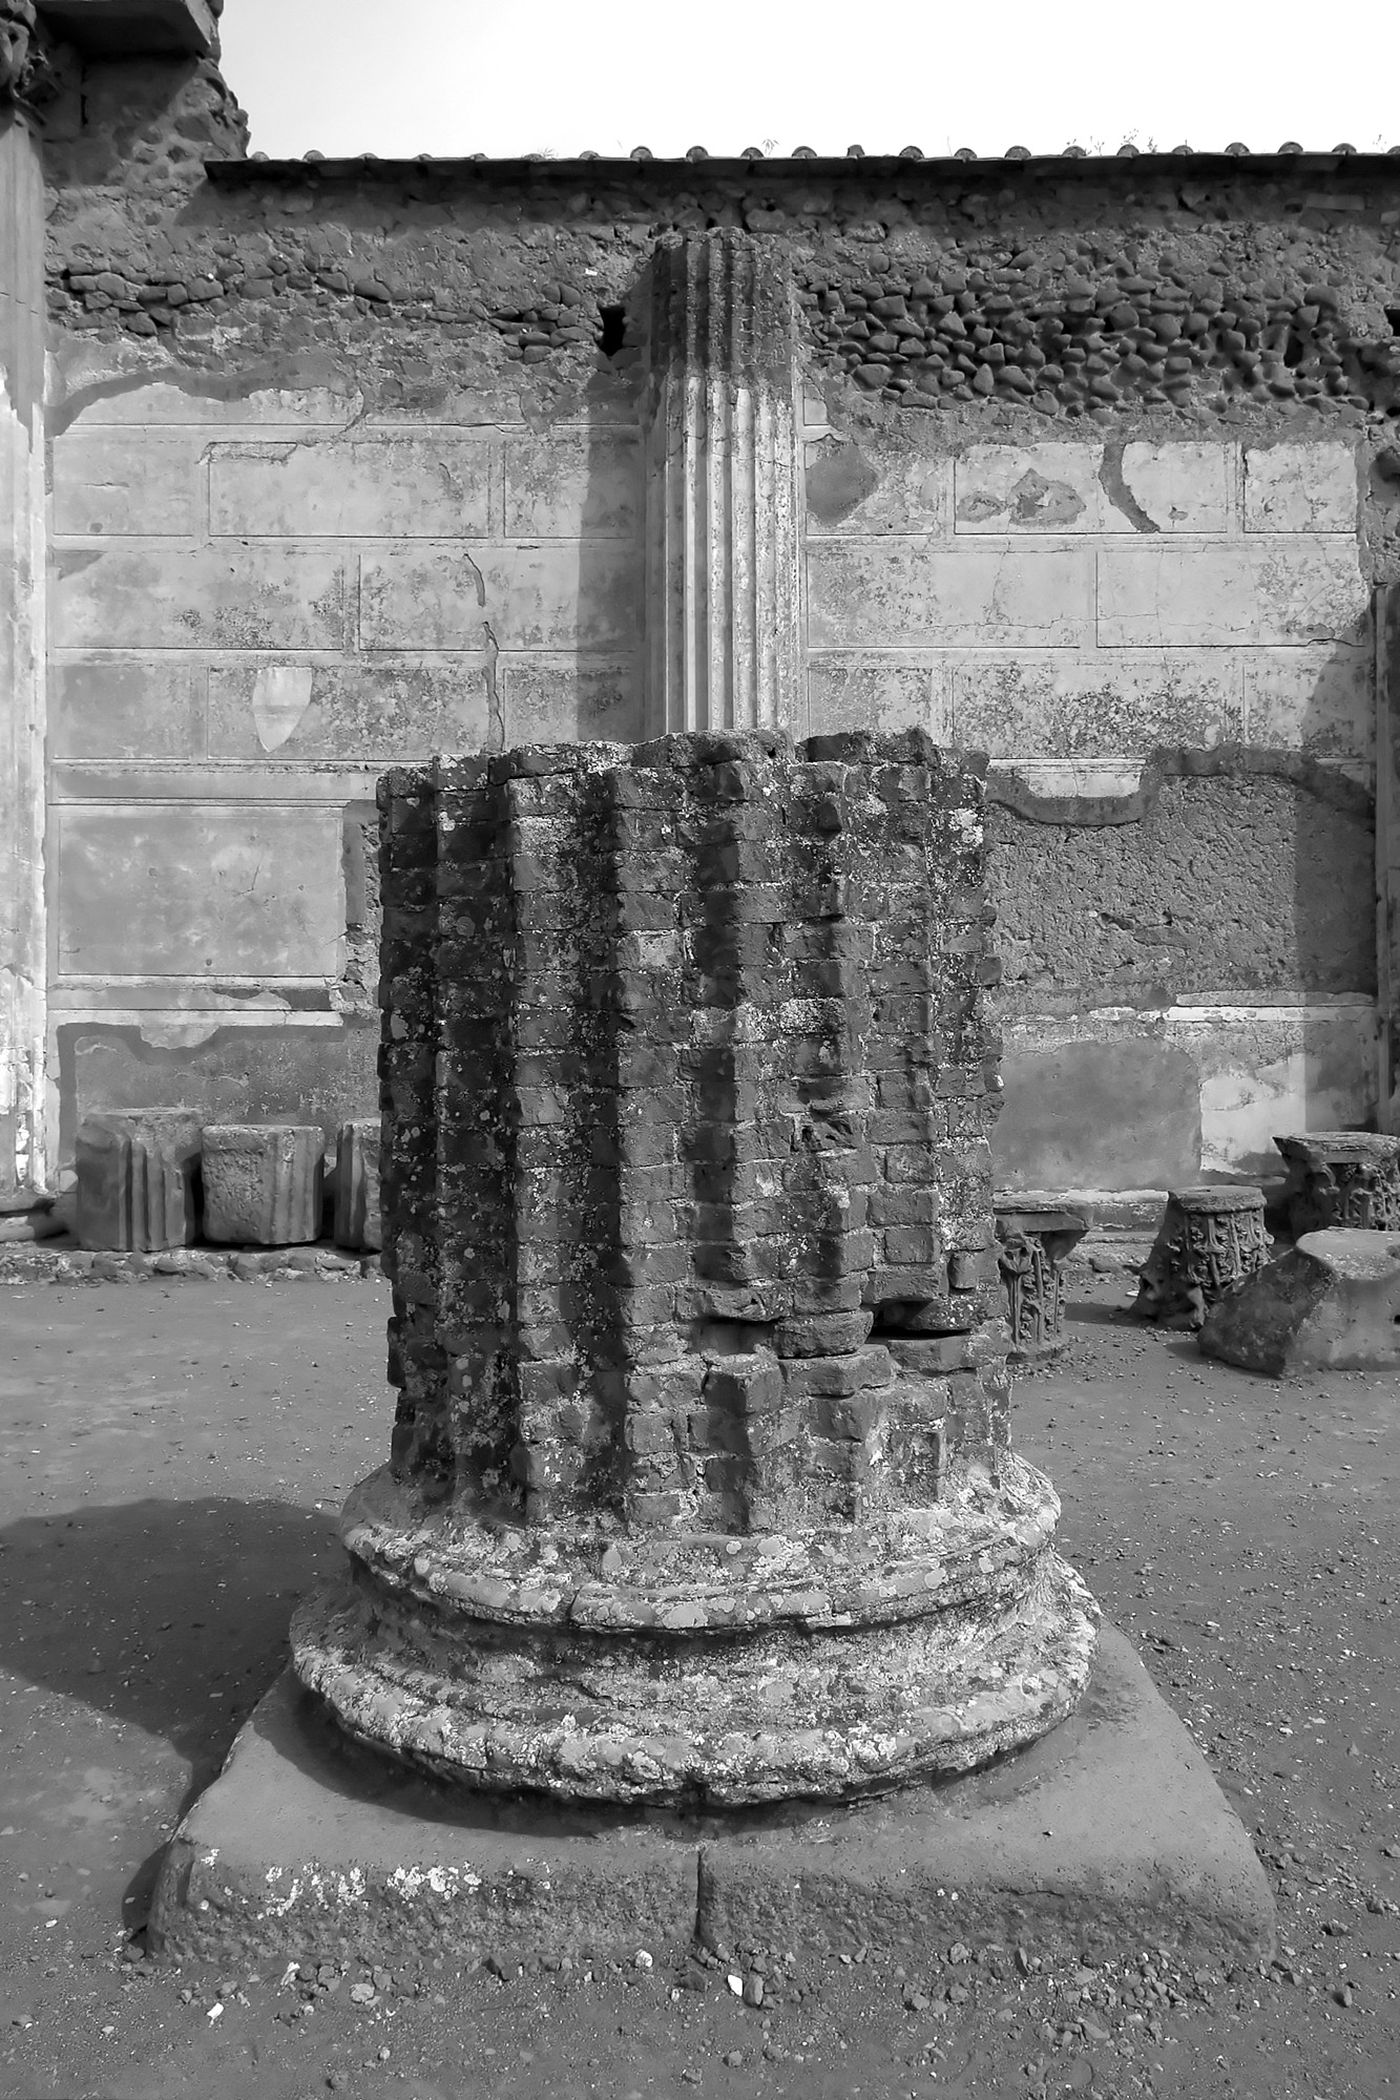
174, 1455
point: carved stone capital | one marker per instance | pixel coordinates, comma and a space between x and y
25, 73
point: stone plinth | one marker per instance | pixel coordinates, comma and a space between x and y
137, 1180
1209, 1241
263, 1183
1031, 1244
1341, 1178
357, 1215
701, 1487
1332, 1303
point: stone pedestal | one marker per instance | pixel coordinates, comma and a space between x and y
137, 1180
357, 1219
263, 1183
1209, 1241
1341, 1178
702, 1488
723, 576
1331, 1304
1031, 1244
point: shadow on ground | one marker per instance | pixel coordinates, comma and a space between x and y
170, 1615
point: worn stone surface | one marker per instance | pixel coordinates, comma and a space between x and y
1109, 1830
1347, 1178
137, 1179
1209, 1242
358, 1221
1333, 1302
263, 1183
1031, 1244
703, 1403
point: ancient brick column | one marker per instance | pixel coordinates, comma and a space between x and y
701, 1486
721, 481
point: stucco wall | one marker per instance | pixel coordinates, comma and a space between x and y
347, 471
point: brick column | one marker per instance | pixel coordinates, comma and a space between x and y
22, 642
702, 1485
1388, 852
722, 637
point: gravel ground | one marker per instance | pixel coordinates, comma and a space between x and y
174, 1454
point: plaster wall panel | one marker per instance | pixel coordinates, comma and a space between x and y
136, 480
388, 714
1319, 700
1086, 704
1158, 595
563, 596
1300, 488
1266, 1071
394, 485
123, 398
179, 889
1099, 488
878, 690
572, 485
234, 595
878, 482
570, 699
1117, 1099
908, 592
127, 708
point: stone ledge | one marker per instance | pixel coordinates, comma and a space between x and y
62, 1260
1108, 1834
127, 28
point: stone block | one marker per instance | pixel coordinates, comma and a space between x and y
876, 483
1300, 488
545, 597
388, 714
906, 593
394, 485
263, 1183
573, 485
136, 1180
123, 709
876, 691
224, 596
137, 480
1162, 596
571, 699
1078, 488
1077, 704
1318, 700
1333, 1304
357, 1215
180, 889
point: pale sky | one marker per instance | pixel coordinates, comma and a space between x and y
557, 76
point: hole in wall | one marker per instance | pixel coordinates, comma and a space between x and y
612, 321
1392, 314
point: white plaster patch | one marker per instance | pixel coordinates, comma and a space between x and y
281, 696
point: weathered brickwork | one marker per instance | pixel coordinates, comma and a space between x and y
708, 1089
687, 1202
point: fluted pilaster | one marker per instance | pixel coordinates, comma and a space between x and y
721, 454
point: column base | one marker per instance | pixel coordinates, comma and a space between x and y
704, 1671
1109, 1834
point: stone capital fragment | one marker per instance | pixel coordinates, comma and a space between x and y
137, 1180
263, 1183
1333, 1303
